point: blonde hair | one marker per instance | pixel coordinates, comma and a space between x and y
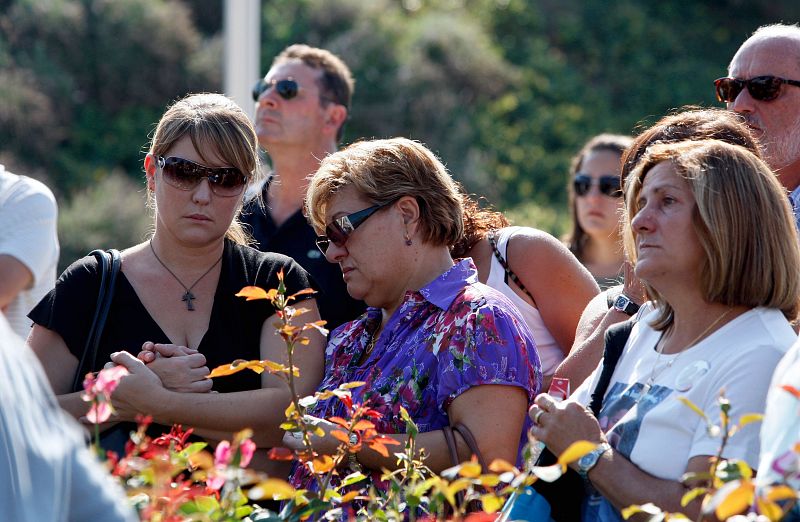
742, 220
214, 123
384, 171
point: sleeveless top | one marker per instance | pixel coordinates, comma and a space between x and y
550, 354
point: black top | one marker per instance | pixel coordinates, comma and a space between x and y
295, 238
234, 329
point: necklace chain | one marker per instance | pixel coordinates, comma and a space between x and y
188, 297
660, 348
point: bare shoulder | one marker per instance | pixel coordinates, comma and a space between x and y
539, 248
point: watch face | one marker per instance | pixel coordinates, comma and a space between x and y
621, 302
587, 460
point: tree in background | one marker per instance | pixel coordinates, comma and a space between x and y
504, 90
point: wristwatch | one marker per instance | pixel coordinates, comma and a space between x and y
624, 304
588, 461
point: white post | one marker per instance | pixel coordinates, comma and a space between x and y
242, 60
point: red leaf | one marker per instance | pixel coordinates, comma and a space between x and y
338, 420
280, 454
791, 389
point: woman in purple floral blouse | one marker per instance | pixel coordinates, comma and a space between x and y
434, 340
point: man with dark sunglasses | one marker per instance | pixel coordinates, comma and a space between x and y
301, 107
763, 85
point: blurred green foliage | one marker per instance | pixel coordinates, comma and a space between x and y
505, 91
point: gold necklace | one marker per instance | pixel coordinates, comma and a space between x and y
188, 297
660, 348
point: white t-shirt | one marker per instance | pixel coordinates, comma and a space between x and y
550, 355
657, 432
28, 216
780, 430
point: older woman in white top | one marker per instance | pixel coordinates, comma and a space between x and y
723, 293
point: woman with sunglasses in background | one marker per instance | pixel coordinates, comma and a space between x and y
174, 297
595, 201
433, 340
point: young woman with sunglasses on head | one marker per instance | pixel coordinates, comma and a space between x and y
595, 201
433, 340
174, 298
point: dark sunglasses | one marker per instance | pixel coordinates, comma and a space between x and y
761, 88
184, 174
608, 185
286, 89
340, 229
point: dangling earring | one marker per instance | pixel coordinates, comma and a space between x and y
408, 240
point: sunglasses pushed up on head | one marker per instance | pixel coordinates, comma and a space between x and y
340, 229
608, 185
761, 88
184, 174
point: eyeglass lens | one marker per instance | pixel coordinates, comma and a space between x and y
761, 88
184, 174
608, 185
286, 89
340, 229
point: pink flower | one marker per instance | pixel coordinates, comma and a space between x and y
222, 455
98, 390
247, 447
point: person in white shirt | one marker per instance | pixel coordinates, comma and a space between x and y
28, 246
723, 293
46, 470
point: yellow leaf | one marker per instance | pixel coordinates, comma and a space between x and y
271, 488
289, 410
253, 292
202, 460
501, 466
323, 464
691, 495
489, 480
746, 419
575, 451
781, 492
470, 469
491, 503
235, 367
458, 485
736, 501
351, 385
348, 497
693, 406
771, 510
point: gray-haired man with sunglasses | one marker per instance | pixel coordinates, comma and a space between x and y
763, 85
301, 107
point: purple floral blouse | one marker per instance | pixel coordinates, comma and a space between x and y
451, 335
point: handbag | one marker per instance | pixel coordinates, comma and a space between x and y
110, 262
566, 494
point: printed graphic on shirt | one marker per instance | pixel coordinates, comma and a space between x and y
623, 411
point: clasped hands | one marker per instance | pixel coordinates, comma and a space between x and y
158, 368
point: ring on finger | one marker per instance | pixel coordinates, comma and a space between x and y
537, 416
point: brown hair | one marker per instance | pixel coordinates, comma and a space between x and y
690, 123
478, 221
214, 123
336, 82
385, 170
737, 199
577, 238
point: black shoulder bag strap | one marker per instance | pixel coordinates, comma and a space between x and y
615, 338
110, 263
